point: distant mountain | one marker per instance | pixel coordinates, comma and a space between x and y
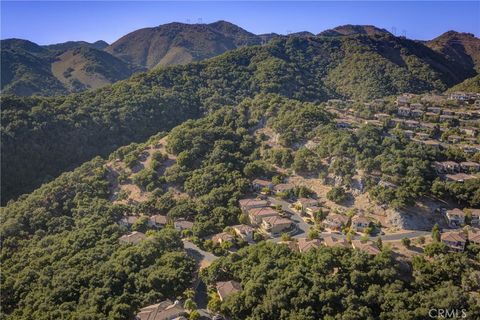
179, 43
461, 48
99, 45
350, 29
30, 69
83, 68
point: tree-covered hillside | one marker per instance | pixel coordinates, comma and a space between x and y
341, 283
43, 137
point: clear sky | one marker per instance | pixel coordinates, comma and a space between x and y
59, 21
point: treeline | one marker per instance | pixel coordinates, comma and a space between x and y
340, 283
42, 137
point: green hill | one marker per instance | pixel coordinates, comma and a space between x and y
349, 29
44, 137
178, 43
29, 69
469, 85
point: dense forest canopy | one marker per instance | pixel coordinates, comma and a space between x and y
42, 137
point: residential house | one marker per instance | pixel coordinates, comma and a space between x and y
454, 139
132, 238
416, 113
448, 112
343, 123
305, 245
259, 184
422, 136
222, 237
474, 236
432, 143
368, 247
276, 224
183, 224
472, 132
157, 221
303, 203
455, 240
403, 101
335, 221
381, 116
360, 223
244, 231
445, 118
474, 217
409, 133
403, 111
330, 241
446, 167
257, 214
411, 124
247, 204
227, 288
165, 310
455, 217
469, 166
435, 110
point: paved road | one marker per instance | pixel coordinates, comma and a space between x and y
302, 226
197, 253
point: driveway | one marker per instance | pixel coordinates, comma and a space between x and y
201, 257
302, 226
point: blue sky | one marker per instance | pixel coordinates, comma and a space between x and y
59, 21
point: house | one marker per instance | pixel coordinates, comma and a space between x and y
227, 288
411, 124
360, 223
474, 236
305, 245
416, 113
304, 203
432, 143
157, 221
222, 237
454, 139
335, 221
247, 204
459, 177
183, 224
283, 188
330, 241
259, 184
409, 133
243, 231
455, 240
368, 247
435, 110
469, 166
448, 112
423, 136
381, 116
403, 111
472, 132
128, 220
257, 214
403, 101
343, 123
132, 238
474, 217
276, 224
165, 310
445, 118
455, 217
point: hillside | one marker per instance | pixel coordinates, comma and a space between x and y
29, 69
84, 68
178, 43
80, 126
461, 48
347, 30
469, 85
99, 45
65, 235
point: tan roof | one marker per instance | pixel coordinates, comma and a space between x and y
227, 288
470, 164
304, 201
474, 212
360, 220
133, 237
368, 247
337, 217
130, 219
474, 235
460, 176
243, 228
162, 311
264, 183
305, 245
454, 236
223, 236
284, 187
184, 224
256, 212
332, 242
158, 219
253, 202
276, 220
456, 212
